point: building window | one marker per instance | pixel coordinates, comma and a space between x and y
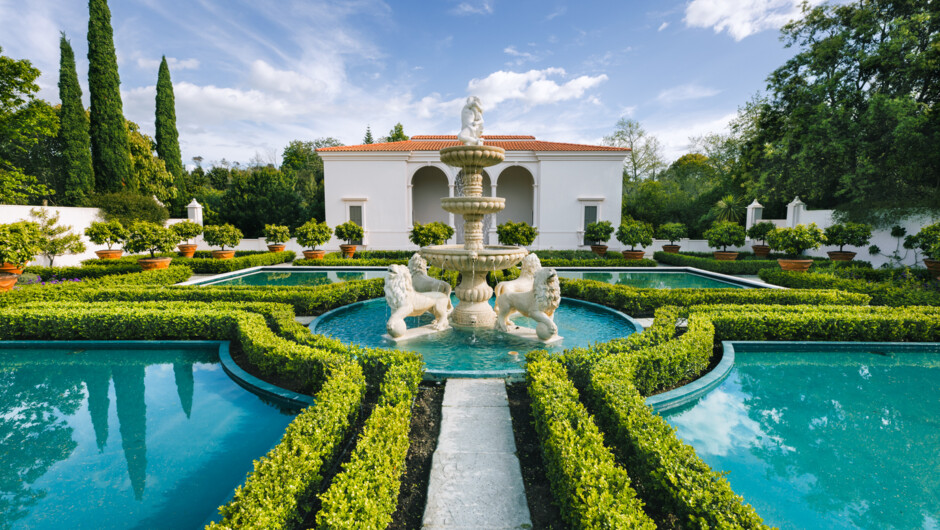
356, 212
590, 216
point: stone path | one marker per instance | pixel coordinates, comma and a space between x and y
476, 481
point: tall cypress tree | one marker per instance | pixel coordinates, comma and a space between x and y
79, 180
110, 153
168, 143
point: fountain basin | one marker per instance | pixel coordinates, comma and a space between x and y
489, 258
473, 205
472, 156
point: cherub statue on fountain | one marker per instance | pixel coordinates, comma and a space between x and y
471, 122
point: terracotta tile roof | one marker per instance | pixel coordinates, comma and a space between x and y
438, 142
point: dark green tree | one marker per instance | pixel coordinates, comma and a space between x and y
397, 134
261, 196
75, 158
368, 138
109, 146
301, 163
167, 136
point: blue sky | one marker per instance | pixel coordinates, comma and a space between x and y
251, 75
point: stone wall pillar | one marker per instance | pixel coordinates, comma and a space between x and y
194, 212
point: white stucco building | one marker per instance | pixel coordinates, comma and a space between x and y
556, 187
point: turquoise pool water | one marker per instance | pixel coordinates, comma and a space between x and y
124, 438
579, 324
653, 279
826, 439
298, 278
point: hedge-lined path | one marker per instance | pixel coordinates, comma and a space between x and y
476, 481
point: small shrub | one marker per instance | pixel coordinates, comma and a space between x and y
672, 232
128, 207
435, 233
187, 230
518, 234
349, 232
759, 231
313, 234
222, 236
108, 233
725, 234
19, 242
149, 237
276, 234
598, 233
55, 240
852, 234
795, 240
635, 233
928, 241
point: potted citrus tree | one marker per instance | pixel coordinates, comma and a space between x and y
222, 236
634, 233
108, 233
434, 233
144, 236
187, 230
928, 240
348, 232
842, 234
275, 236
19, 244
795, 241
758, 232
598, 234
519, 234
311, 235
672, 232
724, 234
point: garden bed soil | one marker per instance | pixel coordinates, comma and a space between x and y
538, 491
425, 429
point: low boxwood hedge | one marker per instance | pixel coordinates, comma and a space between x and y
740, 266
207, 265
330, 261
887, 293
84, 272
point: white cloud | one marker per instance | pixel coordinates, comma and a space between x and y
685, 93
556, 13
484, 7
663, 26
174, 64
520, 56
741, 18
531, 88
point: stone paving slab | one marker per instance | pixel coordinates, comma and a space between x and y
476, 430
475, 393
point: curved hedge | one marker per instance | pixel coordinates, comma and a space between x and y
881, 292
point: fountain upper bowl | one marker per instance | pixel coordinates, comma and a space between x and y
472, 156
489, 258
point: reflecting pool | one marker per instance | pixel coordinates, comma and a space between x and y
653, 279
124, 438
291, 278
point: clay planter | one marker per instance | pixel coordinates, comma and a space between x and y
186, 250
314, 254
933, 266
725, 256
671, 249
9, 268
633, 254
838, 255
795, 265
7, 281
276, 248
149, 264
600, 250
223, 254
109, 254
348, 250
760, 251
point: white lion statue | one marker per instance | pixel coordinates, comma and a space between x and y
530, 265
404, 301
420, 279
471, 122
538, 303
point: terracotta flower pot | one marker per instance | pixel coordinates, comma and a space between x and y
223, 254
725, 256
933, 266
795, 265
671, 249
633, 254
314, 254
186, 250
600, 250
149, 264
7, 281
838, 255
348, 250
109, 254
760, 251
9, 268
277, 248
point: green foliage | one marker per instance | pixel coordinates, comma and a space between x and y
313, 234
168, 144
725, 234
302, 164
108, 233
729, 208
260, 196
147, 171
759, 231
275, 234
882, 293
222, 235
599, 232
186, 230
672, 232
202, 263
128, 207
434, 233
55, 240
746, 266
348, 232
110, 152
19, 242
85, 271
795, 240
928, 240
591, 490
149, 237
367, 139
75, 144
397, 134
518, 234
645, 157
853, 234
635, 233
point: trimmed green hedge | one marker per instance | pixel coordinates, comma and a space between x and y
85, 272
642, 302
329, 261
591, 490
881, 293
748, 267
207, 265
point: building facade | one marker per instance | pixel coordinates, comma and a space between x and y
557, 187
